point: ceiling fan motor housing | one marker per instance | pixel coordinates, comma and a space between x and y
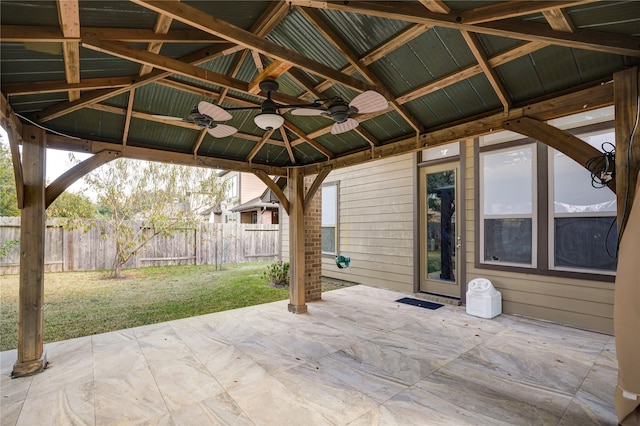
200, 120
340, 111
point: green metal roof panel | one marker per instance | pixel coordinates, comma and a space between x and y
387, 126
158, 135
90, 123
38, 12
362, 33
26, 104
18, 64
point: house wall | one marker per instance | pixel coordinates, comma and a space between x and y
375, 220
250, 187
582, 303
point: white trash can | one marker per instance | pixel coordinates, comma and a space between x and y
483, 300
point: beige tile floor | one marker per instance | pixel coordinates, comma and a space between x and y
356, 358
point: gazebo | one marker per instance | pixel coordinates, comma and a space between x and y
296, 89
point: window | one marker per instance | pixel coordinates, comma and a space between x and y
583, 233
563, 225
254, 217
232, 187
508, 205
329, 218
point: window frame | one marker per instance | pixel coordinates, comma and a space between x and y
336, 226
493, 149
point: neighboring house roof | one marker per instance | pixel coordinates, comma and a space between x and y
268, 196
254, 204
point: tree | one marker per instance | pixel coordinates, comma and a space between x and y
72, 206
144, 200
8, 200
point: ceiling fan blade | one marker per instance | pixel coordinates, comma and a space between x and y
369, 101
213, 111
167, 117
338, 128
221, 131
308, 112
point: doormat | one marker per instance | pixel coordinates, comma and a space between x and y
420, 303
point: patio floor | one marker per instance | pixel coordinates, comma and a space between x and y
356, 358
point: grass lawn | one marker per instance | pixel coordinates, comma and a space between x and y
84, 303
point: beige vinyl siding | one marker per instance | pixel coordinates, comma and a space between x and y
375, 205
581, 303
250, 187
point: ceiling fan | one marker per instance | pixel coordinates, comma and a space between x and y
341, 112
205, 115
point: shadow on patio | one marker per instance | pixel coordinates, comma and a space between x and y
356, 358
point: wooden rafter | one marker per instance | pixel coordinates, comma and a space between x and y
127, 119
36, 87
69, 18
163, 23
199, 141
382, 50
513, 9
273, 71
470, 71
287, 145
436, 6
302, 135
329, 34
95, 96
559, 20
44, 34
223, 29
512, 28
259, 145
489, 72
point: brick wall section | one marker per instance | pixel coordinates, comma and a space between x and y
313, 244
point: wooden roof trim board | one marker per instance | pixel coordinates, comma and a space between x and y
223, 29
437, 6
36, 87
512, 28
69, 18
127, 119
287, 145
316, 20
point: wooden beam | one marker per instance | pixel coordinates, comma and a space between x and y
31, 357
560, 140
201, 136
297, 297
511, 9
308, 140
470, 71
559, 20
436, 6
273, 186
626, 90
334, 39
195, 58
37, 87
317, 183
513, 28
127, 117
287, 145
69, 19
13, 127
489, 72
195, 18
161, 156
273, 71
260, 144
58, 186
44, 34
163, 23
584, 100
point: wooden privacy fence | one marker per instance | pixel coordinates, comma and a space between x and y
209, 243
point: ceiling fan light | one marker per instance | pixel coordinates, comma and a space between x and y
269, 121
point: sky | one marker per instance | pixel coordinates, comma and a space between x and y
57, 162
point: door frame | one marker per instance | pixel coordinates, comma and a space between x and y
419, 227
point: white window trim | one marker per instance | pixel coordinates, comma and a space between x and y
337, 224
533, 216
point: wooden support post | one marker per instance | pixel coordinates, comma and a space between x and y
626, 96
31, 358
296, 242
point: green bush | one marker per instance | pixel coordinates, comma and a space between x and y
277, 274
